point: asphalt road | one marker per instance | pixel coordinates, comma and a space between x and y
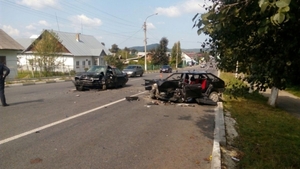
53, 126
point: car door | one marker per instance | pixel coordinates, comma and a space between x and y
193, 90
120, 77
218, 84
139, 70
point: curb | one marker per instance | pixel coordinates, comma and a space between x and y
36, 83
219, 137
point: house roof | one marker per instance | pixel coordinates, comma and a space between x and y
7, 42
81, 45
25, 42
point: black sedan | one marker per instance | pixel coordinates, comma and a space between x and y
166, 69
202, 86
100, 77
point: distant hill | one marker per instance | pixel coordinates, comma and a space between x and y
142, 48
154, 46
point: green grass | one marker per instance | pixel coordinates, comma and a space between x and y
268, 137
295, 90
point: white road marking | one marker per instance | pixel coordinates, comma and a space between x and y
61, 121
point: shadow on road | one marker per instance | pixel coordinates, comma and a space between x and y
31, 101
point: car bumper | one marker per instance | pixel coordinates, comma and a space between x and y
87, 83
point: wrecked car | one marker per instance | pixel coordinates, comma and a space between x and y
201, 86
100, 77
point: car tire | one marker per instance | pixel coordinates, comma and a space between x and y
152, 93
79, 88
141, 74
214, 96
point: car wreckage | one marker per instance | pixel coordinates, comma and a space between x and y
200, 86
100, 77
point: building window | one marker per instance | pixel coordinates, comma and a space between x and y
3, 59
89, 63
83, 64
77, 64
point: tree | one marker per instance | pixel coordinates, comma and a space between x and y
114, 60
114, 48
47, 50
160, 56
262, 37
176, 54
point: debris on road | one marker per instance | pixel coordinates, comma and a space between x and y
153, 103
132, 98
186, 105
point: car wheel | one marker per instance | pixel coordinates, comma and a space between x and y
141, 74
104, 87
79, 88
152, 94
214, 96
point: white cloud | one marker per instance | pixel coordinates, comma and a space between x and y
82, 19
34, 36
189, 6
35, 26
150, 25
10, 30
30, 27
172, 11
194, 6
38, 4
44, 23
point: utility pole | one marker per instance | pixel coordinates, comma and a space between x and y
145, 41
145, 44
177, 56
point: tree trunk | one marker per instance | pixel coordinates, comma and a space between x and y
273, 97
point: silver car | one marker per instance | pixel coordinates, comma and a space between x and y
134, 70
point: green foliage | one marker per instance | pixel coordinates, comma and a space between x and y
114, 48
282, 13
114, 61
176, 54
160, 56
40, 74
47, 51
268, 137
243, 31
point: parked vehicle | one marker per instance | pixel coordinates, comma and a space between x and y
134, 70
100, 77
166, 69
203, 87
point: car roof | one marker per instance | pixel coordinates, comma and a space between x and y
191, 72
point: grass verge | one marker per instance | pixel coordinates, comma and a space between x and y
295, 90
268, 137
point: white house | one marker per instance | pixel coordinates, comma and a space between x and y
80, 52
186, 59
9, 48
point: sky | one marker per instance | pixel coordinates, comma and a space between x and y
117, 22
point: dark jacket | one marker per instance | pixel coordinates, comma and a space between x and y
2, 69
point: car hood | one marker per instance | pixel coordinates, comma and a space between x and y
83, 75
149, 82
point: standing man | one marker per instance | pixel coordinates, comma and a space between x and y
2, 80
